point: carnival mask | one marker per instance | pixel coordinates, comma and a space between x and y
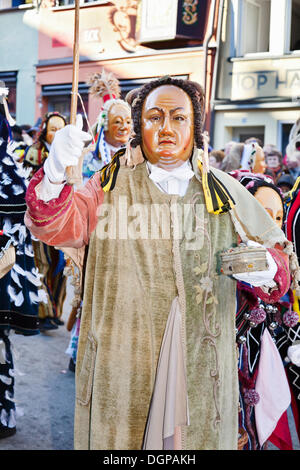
271, 201
167, 127
54, 124
259, 164
119, 125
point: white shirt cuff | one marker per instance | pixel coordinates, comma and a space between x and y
46, 190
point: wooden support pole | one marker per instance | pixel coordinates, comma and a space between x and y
74, 173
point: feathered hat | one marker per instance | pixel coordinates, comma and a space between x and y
105, 86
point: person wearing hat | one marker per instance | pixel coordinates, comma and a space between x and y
113, 127
156, 365
49, 260
285, 183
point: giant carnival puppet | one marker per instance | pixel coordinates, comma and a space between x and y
157, 360
20, 281
49, 260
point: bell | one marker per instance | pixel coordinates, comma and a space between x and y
246, 316
253, 324
269, 308
242, 339
273, 325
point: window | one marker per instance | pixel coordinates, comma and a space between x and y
10, 80
295, 26
58, 98
63, 3
254, 26
240, 134
14, 3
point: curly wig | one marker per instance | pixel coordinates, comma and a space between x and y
137, 97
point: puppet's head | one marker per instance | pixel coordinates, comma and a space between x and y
267, 194
167, 117
52, 122
115, 114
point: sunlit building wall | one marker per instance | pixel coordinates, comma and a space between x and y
257, 87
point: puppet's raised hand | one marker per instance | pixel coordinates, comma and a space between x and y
66, 149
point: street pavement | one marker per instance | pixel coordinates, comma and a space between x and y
45, 391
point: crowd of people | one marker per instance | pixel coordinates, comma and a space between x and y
128, 303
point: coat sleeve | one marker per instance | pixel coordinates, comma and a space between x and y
66, 221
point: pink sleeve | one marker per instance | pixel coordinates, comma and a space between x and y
282, 278
67, 220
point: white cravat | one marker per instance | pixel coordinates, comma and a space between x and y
174, 181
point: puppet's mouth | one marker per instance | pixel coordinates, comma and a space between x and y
167, 142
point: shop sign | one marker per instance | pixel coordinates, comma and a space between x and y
159, 20
265, 79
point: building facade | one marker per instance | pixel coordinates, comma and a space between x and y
137, 40
257, 87
19, 56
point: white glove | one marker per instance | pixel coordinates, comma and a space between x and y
65, 150
260, 278
293, 353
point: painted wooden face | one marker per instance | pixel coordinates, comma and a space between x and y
54, 124
167, 127
259, 161
271, 201
119, 125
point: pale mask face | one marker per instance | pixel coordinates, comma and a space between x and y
167, 127
119, 125
271, 201
54, 124
272, 161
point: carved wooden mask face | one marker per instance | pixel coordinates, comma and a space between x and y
259, 165
119, 125
271, 201
54, 124
167, 127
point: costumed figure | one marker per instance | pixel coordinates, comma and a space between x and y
20, 286
113, 127
49, 260
246, 157
264, 418
292, 228
157, 363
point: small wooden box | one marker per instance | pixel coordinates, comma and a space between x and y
243, 259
